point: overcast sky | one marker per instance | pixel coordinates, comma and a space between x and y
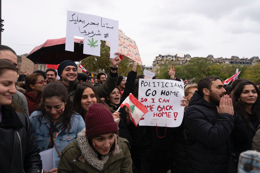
197, 27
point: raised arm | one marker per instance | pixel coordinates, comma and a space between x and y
130, 83
108, 86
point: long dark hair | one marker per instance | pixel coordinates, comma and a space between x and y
78, 96
108, 101
240, 107
59, 90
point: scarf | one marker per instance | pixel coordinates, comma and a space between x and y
90, 155
54, 128
9, 118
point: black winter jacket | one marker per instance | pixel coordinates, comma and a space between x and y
207, 134
18, 139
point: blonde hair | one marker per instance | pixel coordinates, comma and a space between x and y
188, 87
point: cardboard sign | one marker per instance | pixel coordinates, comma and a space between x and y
93, 29
162, 98
127, 47
148, 74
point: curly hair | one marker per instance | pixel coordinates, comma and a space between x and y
57, 89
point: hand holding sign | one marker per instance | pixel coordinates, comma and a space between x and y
114, 62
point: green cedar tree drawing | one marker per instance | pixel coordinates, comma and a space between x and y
132, 108
92, 43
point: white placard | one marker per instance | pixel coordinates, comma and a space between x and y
47, 159
162, 98
148, 74
93, 29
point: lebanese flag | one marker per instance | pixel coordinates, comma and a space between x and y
231, 79
136, 108
83, 68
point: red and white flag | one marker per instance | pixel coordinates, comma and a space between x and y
83, 68
231, 79
136, 108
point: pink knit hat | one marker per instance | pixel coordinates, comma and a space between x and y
99, 121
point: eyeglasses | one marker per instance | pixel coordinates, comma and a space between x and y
41, 82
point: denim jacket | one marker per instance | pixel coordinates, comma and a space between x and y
42, 137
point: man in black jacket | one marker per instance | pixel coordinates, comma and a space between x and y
210, 124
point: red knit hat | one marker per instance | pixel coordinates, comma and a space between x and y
99, 121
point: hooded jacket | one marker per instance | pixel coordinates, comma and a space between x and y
79, 157
207, 134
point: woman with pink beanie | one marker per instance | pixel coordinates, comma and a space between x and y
97, 147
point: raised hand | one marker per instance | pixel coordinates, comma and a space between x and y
134, 66
172, 72
116, 116
225, 105
115, 61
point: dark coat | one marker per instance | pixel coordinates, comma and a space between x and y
123, 131
207, 134
160, 154
251, 129
18, 139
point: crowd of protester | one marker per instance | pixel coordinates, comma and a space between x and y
82, 122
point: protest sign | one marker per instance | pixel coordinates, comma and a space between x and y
148, 74
127, 47
162, 98
93, 29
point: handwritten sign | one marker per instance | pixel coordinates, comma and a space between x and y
93, 29
162, 98
127, 47
148, 74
